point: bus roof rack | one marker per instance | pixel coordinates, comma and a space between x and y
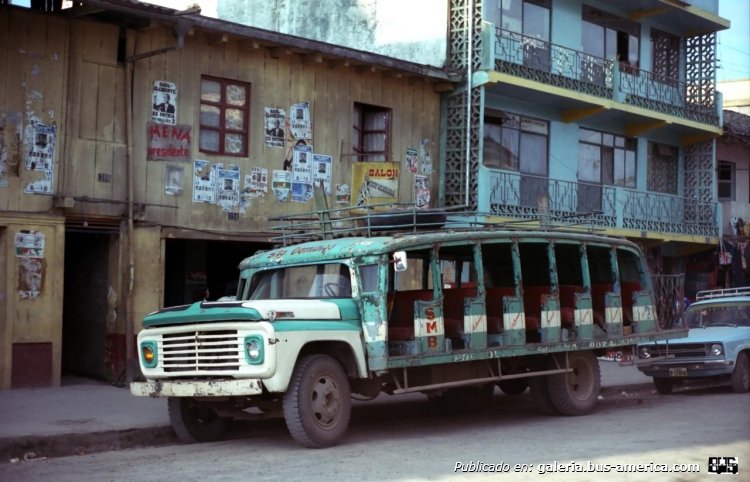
405, 218
722, 293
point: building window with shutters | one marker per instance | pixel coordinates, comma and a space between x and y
224, 117
371, 133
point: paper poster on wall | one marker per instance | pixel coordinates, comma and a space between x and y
302, 192
11, 132
322, 171
411, 159
228, 188
168, 143
302, 164
425, 157
174, 177
343, 194
274, 122
40, 157
256, 183
375, 182
164, 102
299, 120
29, 244
281, 183
204, 181
31, 273
422, 191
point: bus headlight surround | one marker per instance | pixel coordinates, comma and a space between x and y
254, 352
149, 354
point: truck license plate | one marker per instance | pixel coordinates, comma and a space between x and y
678, 372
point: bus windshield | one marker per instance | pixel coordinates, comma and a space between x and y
302, 282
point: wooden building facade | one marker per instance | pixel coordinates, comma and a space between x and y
143, 150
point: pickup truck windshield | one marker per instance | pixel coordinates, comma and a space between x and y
302, 282
719, 315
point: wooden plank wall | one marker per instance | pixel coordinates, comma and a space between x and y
33, 59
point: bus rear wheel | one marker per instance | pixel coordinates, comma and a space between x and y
193, 422
576, 392
317, 404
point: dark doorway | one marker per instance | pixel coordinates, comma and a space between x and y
85, 304
192, 266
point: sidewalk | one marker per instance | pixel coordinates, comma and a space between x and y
84, 416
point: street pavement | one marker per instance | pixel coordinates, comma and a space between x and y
86, 416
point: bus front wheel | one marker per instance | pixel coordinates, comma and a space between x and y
317, 404
576, 392
193, 422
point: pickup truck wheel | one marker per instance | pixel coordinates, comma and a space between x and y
663, 385
195, 423
741, 374
317, 404
576, 392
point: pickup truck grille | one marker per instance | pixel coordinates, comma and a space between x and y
686, 350
201, 351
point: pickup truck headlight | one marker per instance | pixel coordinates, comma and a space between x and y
254, 349
644, 352
717, 349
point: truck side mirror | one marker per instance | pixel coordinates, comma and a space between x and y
399, 261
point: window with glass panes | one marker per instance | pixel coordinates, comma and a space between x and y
516, 143
371, 132
224, 116
725, 181
611, 37
605, 158
662, 168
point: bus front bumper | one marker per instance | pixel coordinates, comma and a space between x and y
196, 388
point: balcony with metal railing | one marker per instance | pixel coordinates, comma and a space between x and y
533, 59
556, 201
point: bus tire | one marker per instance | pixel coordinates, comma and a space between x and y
576, 392
193, 422
317, 404
663, 385
539, 390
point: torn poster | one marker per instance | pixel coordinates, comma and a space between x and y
425, 157
274, 121
228, 188
168, 143
422, 191
204, 181
164, 105
300, 120
256, 183
302, 192
174, 177
343, 194
281, 184
31, 277
411, 159
40, 138
322, 171
11, 132
375, 182
29, 244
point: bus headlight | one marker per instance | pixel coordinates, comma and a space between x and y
254, 349
149, 356
717, 349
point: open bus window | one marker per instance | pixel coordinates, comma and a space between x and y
418, 273
568, 260
534, 264
497, 261
457, 267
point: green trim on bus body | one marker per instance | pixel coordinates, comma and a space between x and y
316, 325
196, 314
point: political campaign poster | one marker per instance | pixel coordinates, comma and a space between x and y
164, 102
29, 244
40, 157
302, 161
299, 120
228, 188
275, 125
281, 184
422, 191
302, 192
343, 194
375, 182
411, 159
168, 142
322, 171
204, 181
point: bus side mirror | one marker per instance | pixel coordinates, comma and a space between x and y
399, 261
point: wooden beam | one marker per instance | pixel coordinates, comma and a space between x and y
443, 87
633, 130
276, 52
573, 115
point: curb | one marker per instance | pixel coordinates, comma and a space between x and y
37, 447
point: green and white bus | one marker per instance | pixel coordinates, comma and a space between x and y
443, 312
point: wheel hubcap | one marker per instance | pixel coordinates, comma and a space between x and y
580, 381
325, 402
